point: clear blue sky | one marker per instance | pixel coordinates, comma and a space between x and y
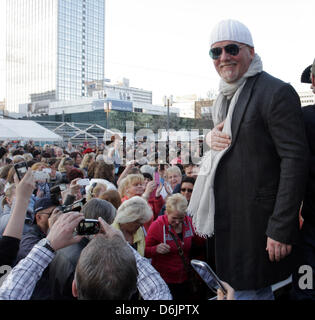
162, 45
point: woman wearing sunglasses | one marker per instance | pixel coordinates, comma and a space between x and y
186, 187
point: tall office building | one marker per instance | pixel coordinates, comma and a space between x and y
54, 47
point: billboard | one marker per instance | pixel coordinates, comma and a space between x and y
112, 104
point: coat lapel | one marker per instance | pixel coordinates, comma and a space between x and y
241, 106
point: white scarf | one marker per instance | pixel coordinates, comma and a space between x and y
202, 203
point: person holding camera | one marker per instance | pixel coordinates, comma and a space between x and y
39, 230
10, 241
61, 269
20, 283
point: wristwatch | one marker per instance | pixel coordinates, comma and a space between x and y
46, 244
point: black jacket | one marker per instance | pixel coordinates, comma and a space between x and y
29, 240
62, 268
308, 210
9, 248
259, 184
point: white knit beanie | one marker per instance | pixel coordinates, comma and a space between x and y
231, 30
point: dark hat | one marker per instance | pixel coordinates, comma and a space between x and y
306, 75
36, 153
3, 151
43, 204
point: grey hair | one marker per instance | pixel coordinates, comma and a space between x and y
106, 270
96, 208
134, 209
176, 202
173, 169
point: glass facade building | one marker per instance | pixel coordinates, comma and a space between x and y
54, 47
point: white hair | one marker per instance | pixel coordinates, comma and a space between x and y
134, 209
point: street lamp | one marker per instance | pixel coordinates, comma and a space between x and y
107, 108
168, 101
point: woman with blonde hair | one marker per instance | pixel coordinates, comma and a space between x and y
134, 185
96, 190
7, 200
65, 166
39, 166
130, 218
86, 161
169, 243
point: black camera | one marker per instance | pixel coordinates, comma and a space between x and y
75, 206
88, 227
21, 169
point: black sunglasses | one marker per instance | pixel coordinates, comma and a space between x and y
232, 49
188, 190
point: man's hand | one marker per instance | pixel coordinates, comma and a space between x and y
61, 233
277, 250
108, 231
216, 139
229, 294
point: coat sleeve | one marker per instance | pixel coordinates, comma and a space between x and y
156, 204
285, 124
153, 239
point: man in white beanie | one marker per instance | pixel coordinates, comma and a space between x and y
251, 182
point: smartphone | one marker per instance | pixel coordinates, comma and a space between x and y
208, 275
83, 182
41, 176
21, 169
88, 227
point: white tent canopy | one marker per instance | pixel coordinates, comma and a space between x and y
25, 130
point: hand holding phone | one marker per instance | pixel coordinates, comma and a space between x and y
20, 169
208, 276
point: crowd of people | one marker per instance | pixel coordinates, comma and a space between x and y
141, 201
247, 208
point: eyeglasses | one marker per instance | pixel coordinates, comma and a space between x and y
232, 49
188, 190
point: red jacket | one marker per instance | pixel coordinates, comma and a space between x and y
170, 265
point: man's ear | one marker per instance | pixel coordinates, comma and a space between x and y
252, 52
74, 289
37, 217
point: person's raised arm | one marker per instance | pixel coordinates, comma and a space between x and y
129, 166
24, 191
